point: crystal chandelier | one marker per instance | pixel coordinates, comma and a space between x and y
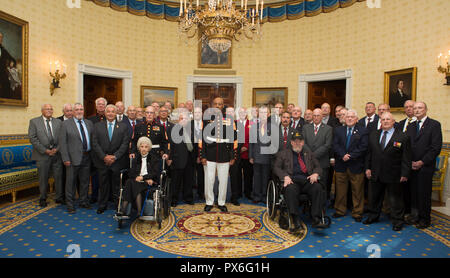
219, 22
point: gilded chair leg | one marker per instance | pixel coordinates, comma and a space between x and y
13, 194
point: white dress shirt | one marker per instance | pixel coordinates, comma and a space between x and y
144, 166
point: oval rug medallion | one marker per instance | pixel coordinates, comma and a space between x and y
244, 231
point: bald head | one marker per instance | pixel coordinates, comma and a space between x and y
218, 103
317, 116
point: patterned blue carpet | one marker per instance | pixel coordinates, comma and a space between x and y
28, 231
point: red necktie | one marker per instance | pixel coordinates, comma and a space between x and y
164, 126
316, 128
285, 136
302, 164
132, 136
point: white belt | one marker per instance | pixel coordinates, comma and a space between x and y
155, 146
217, 140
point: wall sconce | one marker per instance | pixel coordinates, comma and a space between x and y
57, 75
446, 68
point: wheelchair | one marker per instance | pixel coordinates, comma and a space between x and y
156, 204
276, 205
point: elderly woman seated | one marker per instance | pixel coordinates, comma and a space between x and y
145, 170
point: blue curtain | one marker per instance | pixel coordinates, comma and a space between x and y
271, 13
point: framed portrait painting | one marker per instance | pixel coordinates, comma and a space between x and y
13, 60
150, 94
400, 86
270, 96
208, 58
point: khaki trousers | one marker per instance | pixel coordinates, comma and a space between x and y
357, 185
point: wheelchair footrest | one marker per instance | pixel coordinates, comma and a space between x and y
120, 217
147, 218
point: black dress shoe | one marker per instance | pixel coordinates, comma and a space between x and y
86, 206
100, 210
173, 204
337, 215
223, 208
317, 223
42, 203
296, 224
369, 221
208, 208
397, 227
59, 201
235, 202
190, 202
71, 210
357, 218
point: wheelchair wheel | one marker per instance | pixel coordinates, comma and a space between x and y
272, 199
165, 198
158, 208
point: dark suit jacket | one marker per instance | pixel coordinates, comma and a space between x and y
258, 142
96, 118
357, 149
290, 133
393, 162
130, 127
300, 124
196, 138
284, 164
362, 121
179, 153
333, 122
153, 170
118, 146
426, 145
373, 126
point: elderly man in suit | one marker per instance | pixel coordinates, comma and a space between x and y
426, 144
180, 160
120, 112
376, 123
299, 171
370, 115
76, 145
327, 118
350, 145
388, 165
197, 131
43, 133
319, 138
67, 112
259, 154
297, 122
285, 132
110, 145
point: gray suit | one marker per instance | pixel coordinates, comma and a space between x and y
320, 145
40, 139
80, 161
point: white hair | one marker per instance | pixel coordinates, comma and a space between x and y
144, 140
352, 111
111, 106
101, 98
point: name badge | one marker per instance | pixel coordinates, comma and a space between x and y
156, 128
397, 144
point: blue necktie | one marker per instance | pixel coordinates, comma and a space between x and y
418, 126
110, 131
349, 136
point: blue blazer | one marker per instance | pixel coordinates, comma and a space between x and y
357, 149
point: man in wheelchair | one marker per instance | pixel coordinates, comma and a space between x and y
144, 172
299, 172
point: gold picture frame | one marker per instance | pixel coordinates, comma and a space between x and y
150, 94
399, 86
14, 61
270, 96
207, 58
